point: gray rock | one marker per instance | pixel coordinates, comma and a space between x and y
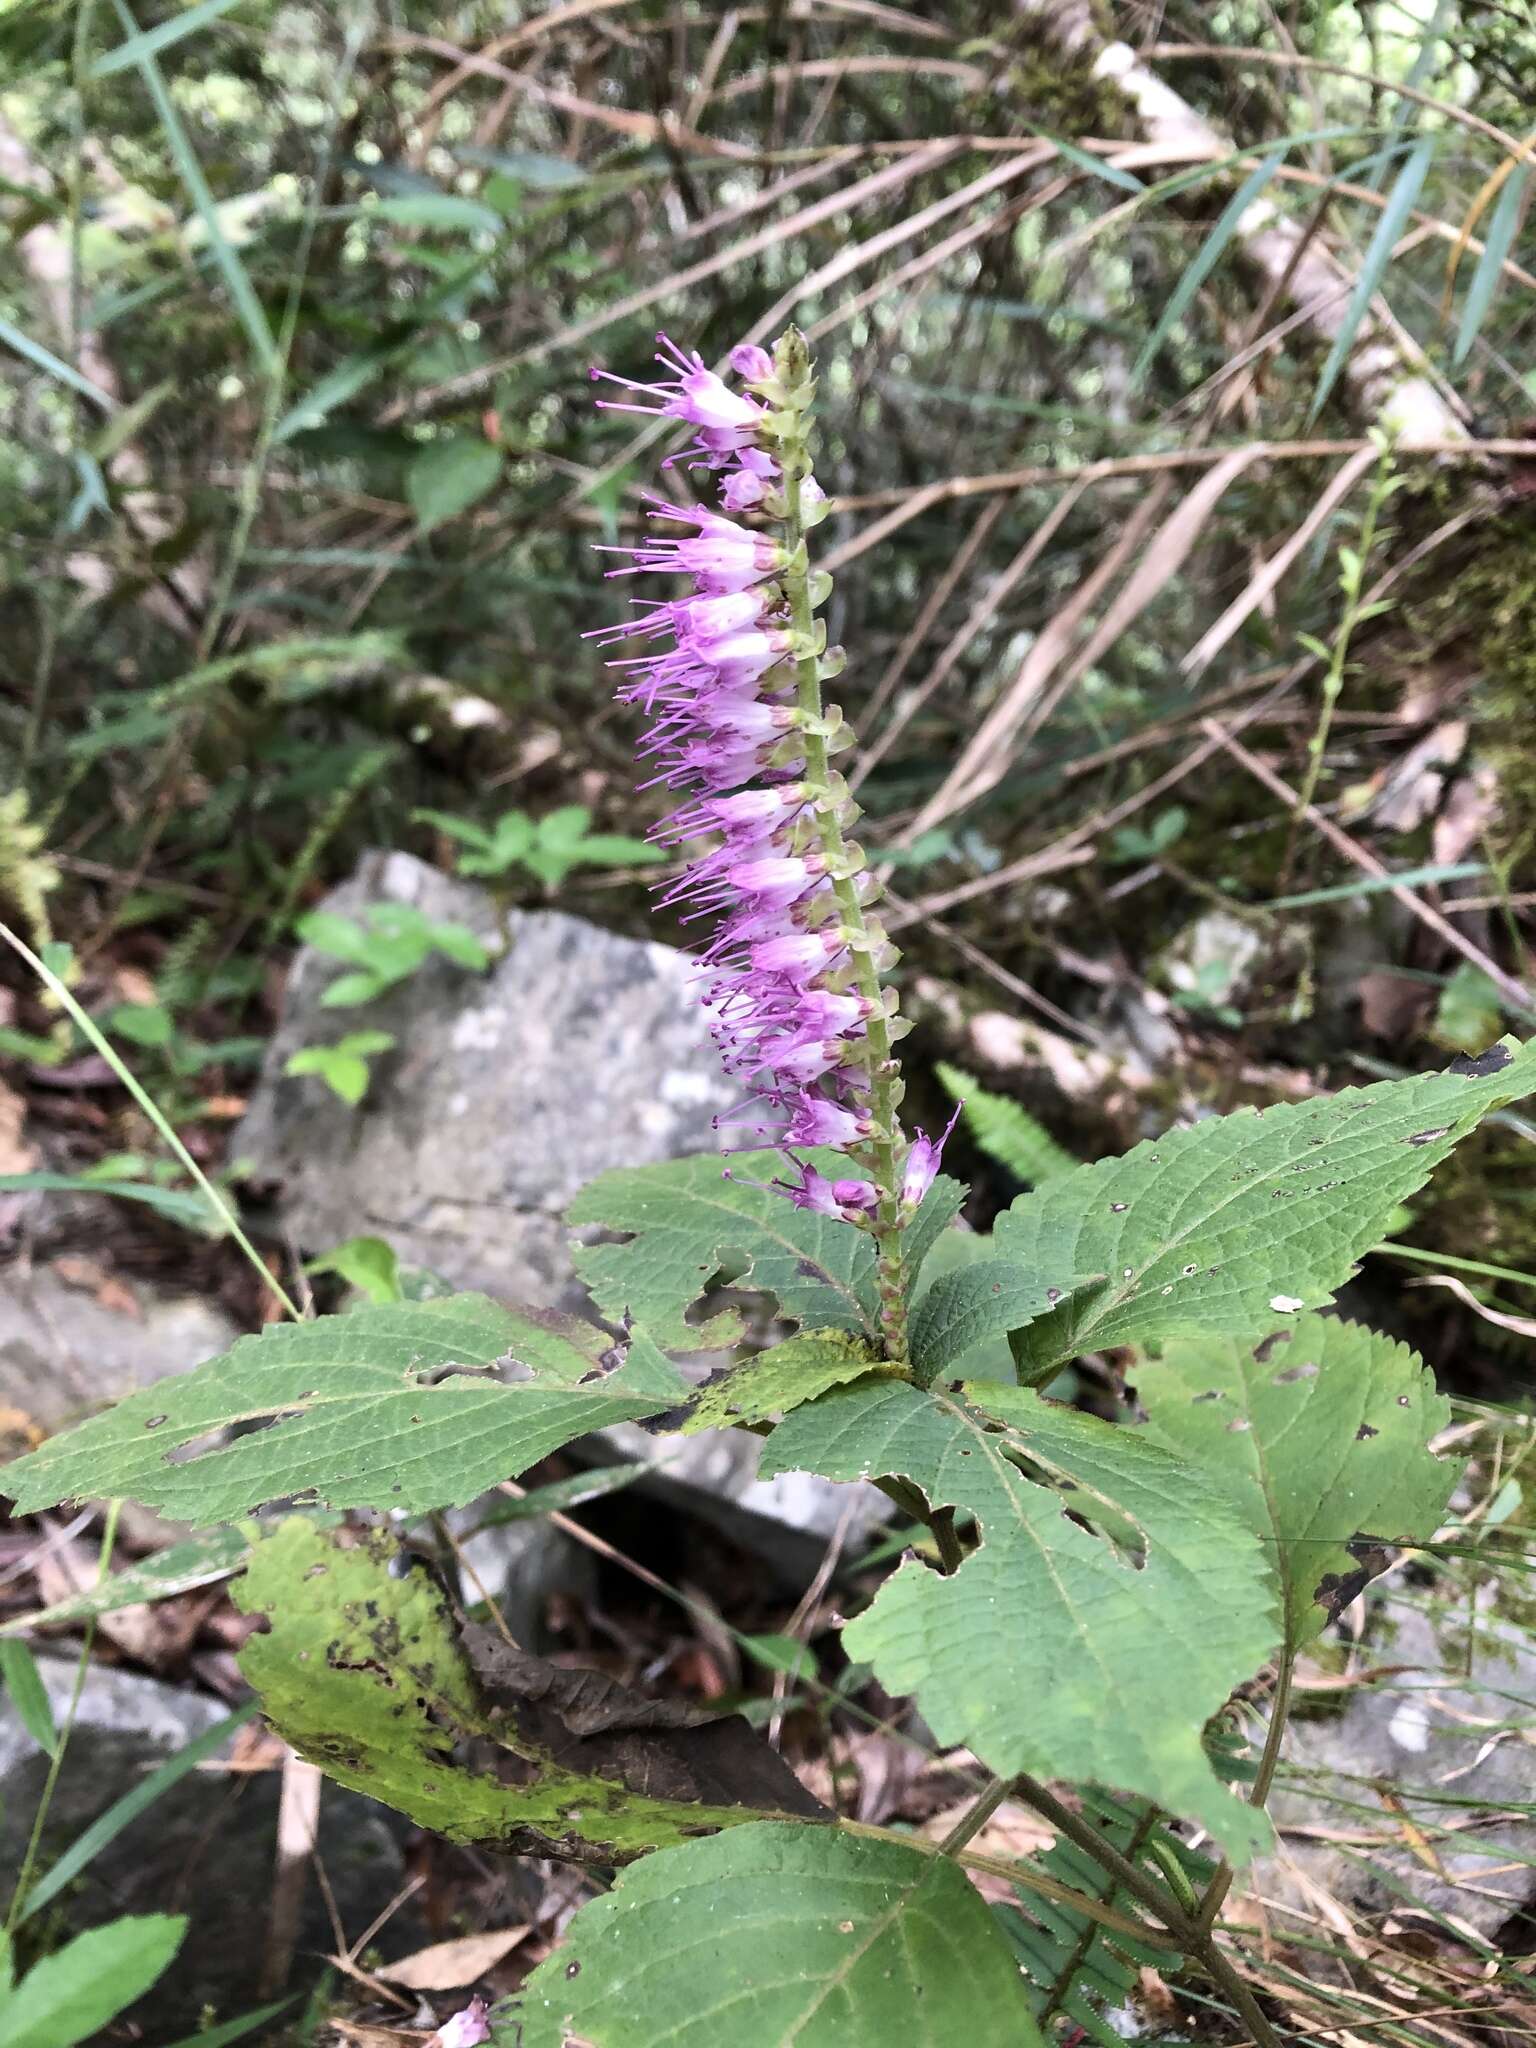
62, 1352
505, 1093
1432, 1730
204, 1848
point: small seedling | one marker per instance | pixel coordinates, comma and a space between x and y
547, 847
343, 1067
390, 943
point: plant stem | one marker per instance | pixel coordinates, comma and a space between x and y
1264, 1778
883, 1069
971, 1823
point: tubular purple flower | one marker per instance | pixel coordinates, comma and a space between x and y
691, 393
467, 2029
923, 1163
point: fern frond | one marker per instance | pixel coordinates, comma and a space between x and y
1006, 1131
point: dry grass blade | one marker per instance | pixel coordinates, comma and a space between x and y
985, 758
1512, 990
1262, 585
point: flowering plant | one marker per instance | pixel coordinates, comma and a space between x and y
1085, 1603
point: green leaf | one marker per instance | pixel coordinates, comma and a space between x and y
139, 1798
1015, 1653
28, 1694
1005, 1130
1319, 1432
560, 1495
688, 1223
71, 1993
615, 850
375, 1408
1467, 1014
1074, 1965
1205, 260
1389, 227
343, 1071
449, 210
367, 1263
781, 1938
780, 1653
53, 366
990, 1358
348, 992
145, 1024
460, 945
150, 41
247, 305
464, 830
362, 1669
199, 1561
776, 1381
445, 477
974, 1304
1502, 229
343, 938
191, 1211
1214, 1228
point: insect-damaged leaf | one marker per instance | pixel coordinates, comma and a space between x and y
389, 1407
1164, 1601
1218, 1227
362, 1669
688, 1225
782, 1938
777, 1381
1319, 1431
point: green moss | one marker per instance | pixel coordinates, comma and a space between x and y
1476, 609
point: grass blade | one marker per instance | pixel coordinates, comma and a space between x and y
1374, 885
1206, 258
1394, 217
1496, 246
123, 1812
53, 366
233, 2030
150, 40
247, 305
28, 1695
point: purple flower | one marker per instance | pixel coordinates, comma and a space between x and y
467, 2029
717, 676
923, 1163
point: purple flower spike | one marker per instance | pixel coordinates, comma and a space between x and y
719, 672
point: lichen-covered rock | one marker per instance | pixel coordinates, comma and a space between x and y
507, 1091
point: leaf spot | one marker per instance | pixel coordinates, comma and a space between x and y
1427, 1137
1296, 1372
155, 1421
1490, 1062
1210, 1394
1118, 1208
1285, 1304
1238, 1424
1364, 1431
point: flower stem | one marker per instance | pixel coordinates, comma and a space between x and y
885, 1072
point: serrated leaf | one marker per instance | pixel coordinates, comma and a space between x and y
67, 1996
362, 1670
977, 1303
1320, 1434
688, 1224
777, 1381
783, 1938
1016, 1651
368, 1409
1201, 1231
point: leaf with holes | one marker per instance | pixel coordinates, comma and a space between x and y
689, 1226
1320, 1433
1164, 1598
784, 1938
777, 1381
1220, 1227
361, 1668
387, 1407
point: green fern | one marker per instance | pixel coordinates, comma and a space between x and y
1006, 1131
26, 873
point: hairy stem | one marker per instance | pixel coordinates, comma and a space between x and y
884, 1070
1264, 1778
